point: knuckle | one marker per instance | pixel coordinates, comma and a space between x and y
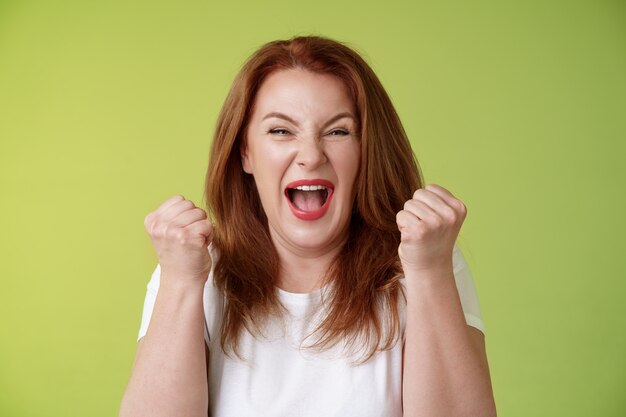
172, 200
197, 243
451, 220
154, 228
420, 232
406, 235
201, 212
449, 213
181, 236
169, 231
410, 204
413, 233
188, 204
156, 231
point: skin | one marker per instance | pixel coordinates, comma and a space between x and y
169, 375
309, 143
445, 370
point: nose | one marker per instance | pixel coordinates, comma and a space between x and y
310, 153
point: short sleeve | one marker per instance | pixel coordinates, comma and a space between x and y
212, 303
149, 300
467, 290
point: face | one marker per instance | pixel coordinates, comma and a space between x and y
303, 150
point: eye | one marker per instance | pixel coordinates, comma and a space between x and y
338, 135
339, 132
279, 132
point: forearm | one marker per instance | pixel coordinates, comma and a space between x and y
444, 374
169, 375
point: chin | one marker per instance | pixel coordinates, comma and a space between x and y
315, 248
322, 234
316, 238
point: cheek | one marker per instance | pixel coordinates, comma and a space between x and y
270, 164
275, 160
350, 161
276, 155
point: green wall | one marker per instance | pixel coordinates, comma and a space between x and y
519, 108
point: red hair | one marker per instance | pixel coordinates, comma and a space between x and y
364, 287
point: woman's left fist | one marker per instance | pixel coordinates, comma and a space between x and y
429, 226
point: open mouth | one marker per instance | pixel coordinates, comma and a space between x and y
309, 199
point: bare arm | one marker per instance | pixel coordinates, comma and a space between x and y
169, 376
445, 371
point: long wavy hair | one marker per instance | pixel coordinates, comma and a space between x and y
361, 305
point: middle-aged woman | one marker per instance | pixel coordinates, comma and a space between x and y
328, 282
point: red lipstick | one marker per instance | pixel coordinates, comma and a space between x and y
314, 214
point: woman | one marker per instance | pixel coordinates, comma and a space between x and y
332, 285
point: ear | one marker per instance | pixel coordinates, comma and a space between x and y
245, 159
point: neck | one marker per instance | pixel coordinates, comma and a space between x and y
302, 270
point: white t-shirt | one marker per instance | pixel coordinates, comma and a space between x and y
280, 377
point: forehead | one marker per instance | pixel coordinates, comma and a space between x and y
303, 94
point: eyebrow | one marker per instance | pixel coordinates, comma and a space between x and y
293, 121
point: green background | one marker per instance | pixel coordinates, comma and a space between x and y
518, 108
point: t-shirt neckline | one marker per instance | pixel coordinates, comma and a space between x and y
299, 296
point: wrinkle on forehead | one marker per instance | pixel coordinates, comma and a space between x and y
309, 98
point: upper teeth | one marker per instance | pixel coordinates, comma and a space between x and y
310, 187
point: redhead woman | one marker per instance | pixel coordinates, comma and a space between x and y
326, 280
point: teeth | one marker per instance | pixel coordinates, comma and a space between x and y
310, 187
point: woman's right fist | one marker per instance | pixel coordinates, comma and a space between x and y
180, 233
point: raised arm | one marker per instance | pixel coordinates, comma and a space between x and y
169, 375
445, 370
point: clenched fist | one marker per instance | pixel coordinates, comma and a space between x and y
180, 233
429, 226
